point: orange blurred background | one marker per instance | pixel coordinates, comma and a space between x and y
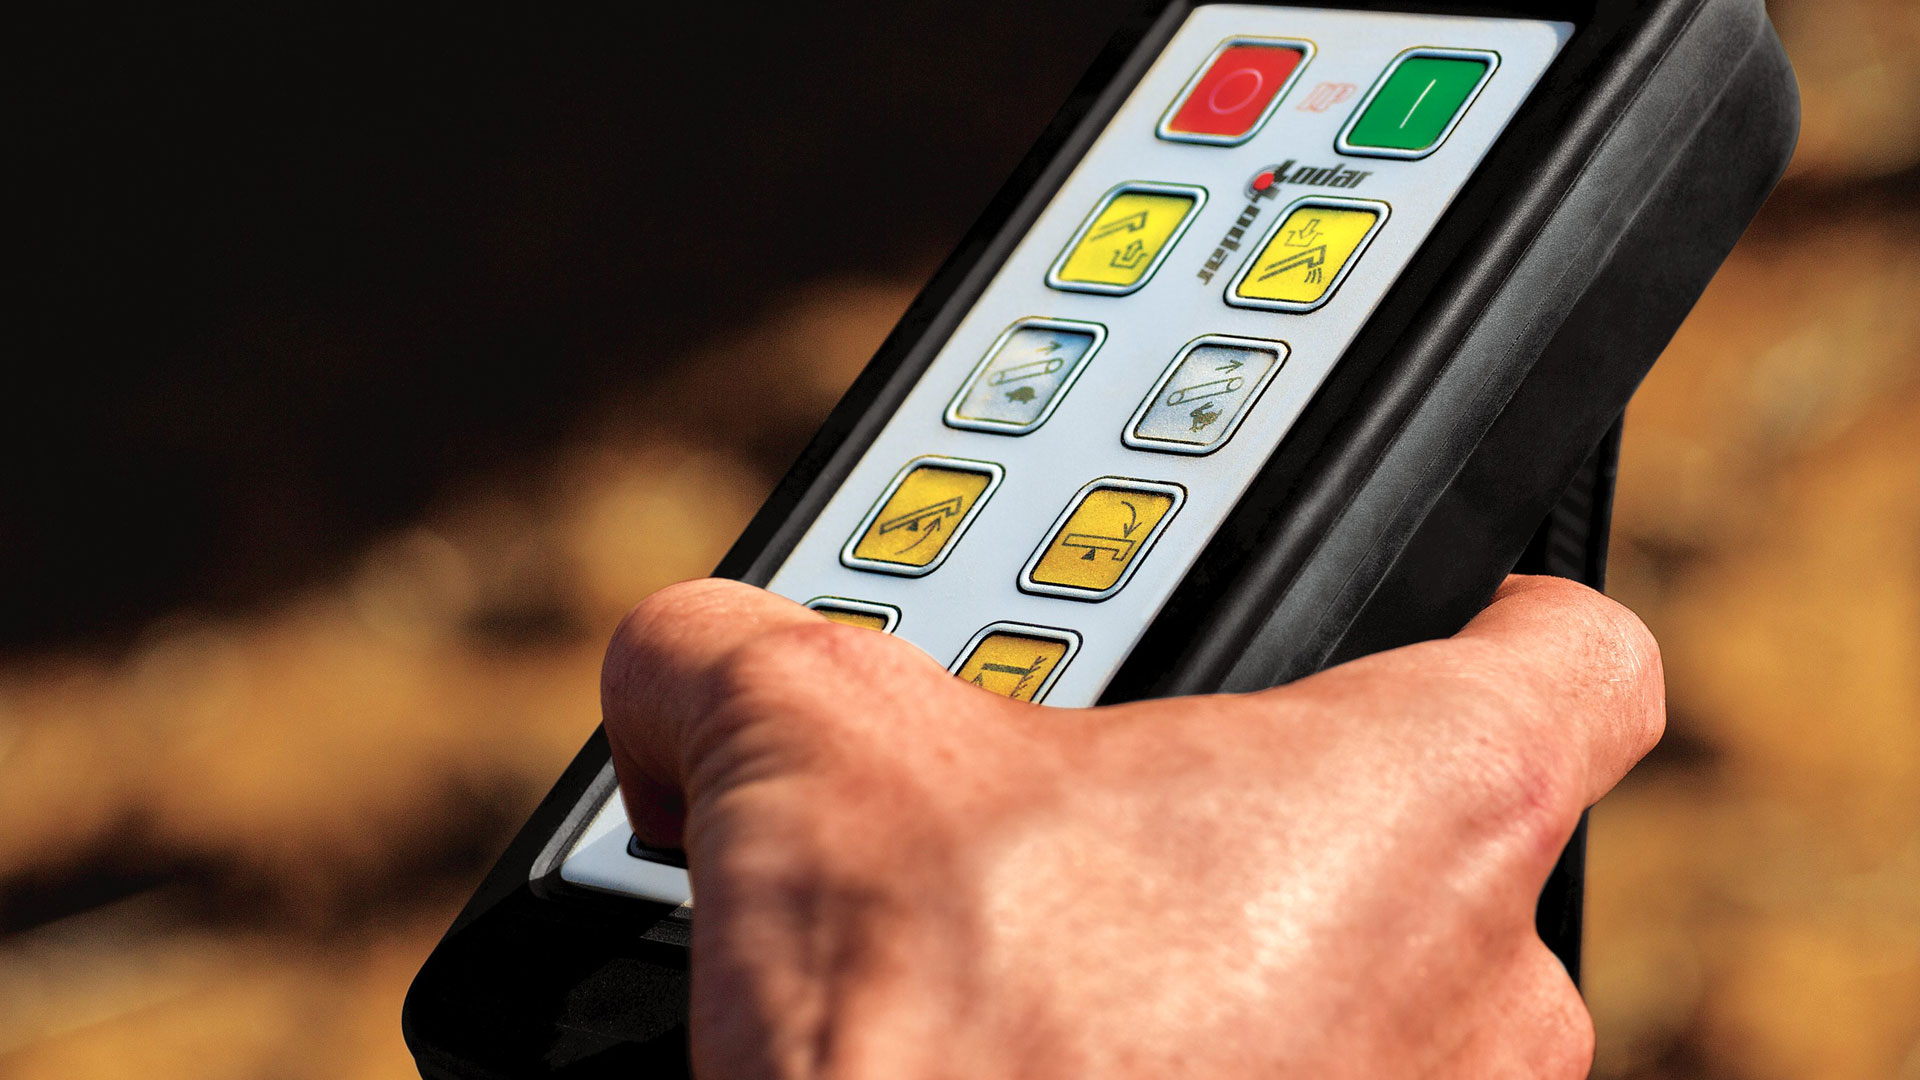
229, 834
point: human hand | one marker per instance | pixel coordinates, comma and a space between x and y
901, 876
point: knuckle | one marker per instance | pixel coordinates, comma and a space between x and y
1614, 641
1615, 666
1548, 592
624, 668
1617, 637
1630, 657
779, 701
1621, 667
656, 652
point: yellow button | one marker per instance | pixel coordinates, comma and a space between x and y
928, 506
1013, 661
1099, 541
857, 613
1307, 254
861, 619
1127, 237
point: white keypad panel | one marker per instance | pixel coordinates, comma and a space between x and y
1116, 303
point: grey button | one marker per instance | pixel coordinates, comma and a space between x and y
1205, 394
1024, 376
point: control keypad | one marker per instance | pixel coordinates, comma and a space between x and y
1060, 462
1139, 354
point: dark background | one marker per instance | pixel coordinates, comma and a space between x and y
373, 361
291, 271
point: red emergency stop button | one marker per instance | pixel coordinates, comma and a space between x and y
1235, 91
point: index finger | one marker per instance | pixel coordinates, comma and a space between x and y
1554, 679
1591, 664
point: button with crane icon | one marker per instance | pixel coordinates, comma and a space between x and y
1307, 254
913, 526
1101, 539
1015, 660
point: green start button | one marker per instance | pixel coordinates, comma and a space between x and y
1418, 102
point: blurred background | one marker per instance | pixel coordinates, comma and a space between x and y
372, 362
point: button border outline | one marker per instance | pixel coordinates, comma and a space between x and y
1381, 211
1151, 187
994, 473
1307, 50
1091, 596
995, 427
1489, 57
1069, 638
859, 607
1135, 441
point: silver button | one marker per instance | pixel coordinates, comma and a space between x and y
1025, 375
1205, 394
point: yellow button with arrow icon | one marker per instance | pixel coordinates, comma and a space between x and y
1125, 238
923, 512
1307, 254
1014, 661
1099, 541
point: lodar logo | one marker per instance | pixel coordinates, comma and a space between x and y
1336, 176
1265, 185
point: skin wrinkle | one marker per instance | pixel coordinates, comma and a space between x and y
827, 959
901, 876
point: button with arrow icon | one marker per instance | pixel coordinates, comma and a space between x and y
1307, 253
1105, 533
926, 508
1024, 376
1205, 393
1126, 238
1016, 661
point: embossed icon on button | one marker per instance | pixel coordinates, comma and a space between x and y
1204, 394
1016, 661
861, 613
1417, 103
1126, 238
1306, 255
924, 511
1025, 375
1095, 546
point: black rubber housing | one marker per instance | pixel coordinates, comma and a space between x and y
1471, 429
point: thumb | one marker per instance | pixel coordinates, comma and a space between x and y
658, 680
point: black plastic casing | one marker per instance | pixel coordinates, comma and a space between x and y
1471, 429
